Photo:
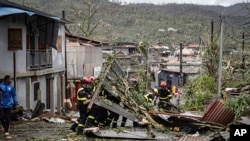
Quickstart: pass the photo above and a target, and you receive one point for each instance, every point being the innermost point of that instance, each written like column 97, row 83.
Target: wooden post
column 99, row 86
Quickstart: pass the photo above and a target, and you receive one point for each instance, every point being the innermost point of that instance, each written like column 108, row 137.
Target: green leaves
column 238, row 104
column 198, row 91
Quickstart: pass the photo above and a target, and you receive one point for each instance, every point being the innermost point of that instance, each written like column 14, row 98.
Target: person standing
column 164, row 94
column 83, row 99
column 8, row 100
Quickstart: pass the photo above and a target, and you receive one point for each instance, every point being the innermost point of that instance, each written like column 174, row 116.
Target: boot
column 73, row 127
column 79, row 131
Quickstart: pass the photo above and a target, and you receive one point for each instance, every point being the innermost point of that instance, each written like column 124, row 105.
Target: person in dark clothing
column 149, row 97
column 83, row 99
column 97, row 115
column 8, row 100
column 164, row 94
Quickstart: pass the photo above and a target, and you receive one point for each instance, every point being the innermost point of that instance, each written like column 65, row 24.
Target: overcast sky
column 200, row 2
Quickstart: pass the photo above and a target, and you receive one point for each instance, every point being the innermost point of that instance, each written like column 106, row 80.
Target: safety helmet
column 163, row 84
column 155, row 91
column 86, row 80
column 92, row 78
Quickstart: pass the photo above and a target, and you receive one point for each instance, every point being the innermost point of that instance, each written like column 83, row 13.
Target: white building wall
column 58, row 59
column 77, row 56
column 75, row 60
column 6, row 64
column 93, row 59
column 21, row 84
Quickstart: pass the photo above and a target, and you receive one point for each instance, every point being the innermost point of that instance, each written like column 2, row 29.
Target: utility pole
column 243, row 43
column 181, row 77
column 212, row 31
column 220, row 58
column 243, row 56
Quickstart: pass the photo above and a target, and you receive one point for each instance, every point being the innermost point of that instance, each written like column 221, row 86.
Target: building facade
column 32, row 51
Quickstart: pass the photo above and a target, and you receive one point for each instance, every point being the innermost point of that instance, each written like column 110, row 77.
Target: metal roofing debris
column 130, row 133
column 217, row 113
column 195, row 137
column 10, row 8
column 244, row 120
column 117, row 109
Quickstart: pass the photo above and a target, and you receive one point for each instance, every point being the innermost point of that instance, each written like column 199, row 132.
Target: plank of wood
column 99, row 87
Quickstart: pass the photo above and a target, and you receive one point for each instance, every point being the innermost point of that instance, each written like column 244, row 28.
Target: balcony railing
column 39, row 59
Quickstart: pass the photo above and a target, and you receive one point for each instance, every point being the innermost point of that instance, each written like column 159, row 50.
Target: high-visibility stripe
column 94, row 89
column 78, row 98
column 163, row 98
column 79, row 90
column 81, row 99
column 91, row 117
column 80, row 125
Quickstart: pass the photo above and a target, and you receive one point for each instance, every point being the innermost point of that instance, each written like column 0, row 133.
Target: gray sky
column 200, row 2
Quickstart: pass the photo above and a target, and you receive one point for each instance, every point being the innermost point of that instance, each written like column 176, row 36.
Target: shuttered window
column 14, row 39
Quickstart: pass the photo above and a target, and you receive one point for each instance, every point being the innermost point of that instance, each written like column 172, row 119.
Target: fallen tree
column 113, row 75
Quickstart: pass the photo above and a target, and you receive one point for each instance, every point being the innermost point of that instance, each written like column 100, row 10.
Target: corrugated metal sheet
column 195, row 138
column 217, row 113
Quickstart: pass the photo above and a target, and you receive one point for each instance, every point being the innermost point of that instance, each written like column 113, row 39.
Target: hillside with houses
column 130, row 54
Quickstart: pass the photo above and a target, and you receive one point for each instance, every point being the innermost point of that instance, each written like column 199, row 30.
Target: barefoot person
column 8, row 100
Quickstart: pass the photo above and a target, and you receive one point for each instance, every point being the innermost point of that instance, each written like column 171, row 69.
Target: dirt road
column 40, row 131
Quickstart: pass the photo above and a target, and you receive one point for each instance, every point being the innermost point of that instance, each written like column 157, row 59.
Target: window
column 36, row 89
column 14, row 39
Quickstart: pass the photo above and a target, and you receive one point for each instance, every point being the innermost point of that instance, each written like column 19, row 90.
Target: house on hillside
column 126, row 47
column 196, row 48
column 174, row 76
column 32, row 50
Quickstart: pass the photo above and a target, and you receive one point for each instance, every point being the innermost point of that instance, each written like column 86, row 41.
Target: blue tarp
column 4, row 11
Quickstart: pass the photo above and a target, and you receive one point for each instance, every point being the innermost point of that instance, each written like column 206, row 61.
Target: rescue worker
column 176, row 96
column 97, row 115
column 83, row 99
column 149, row 97
column 155, row 91
column 164, row 94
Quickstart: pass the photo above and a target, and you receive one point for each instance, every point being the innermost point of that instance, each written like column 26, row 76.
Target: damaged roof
column 9, row 8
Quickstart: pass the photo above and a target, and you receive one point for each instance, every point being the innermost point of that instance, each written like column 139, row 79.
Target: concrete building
column 32, row 50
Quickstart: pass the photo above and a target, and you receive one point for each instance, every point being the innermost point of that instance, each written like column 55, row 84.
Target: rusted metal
column 217, row 113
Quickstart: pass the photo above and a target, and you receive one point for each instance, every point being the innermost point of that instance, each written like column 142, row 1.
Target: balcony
column 39, row 59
